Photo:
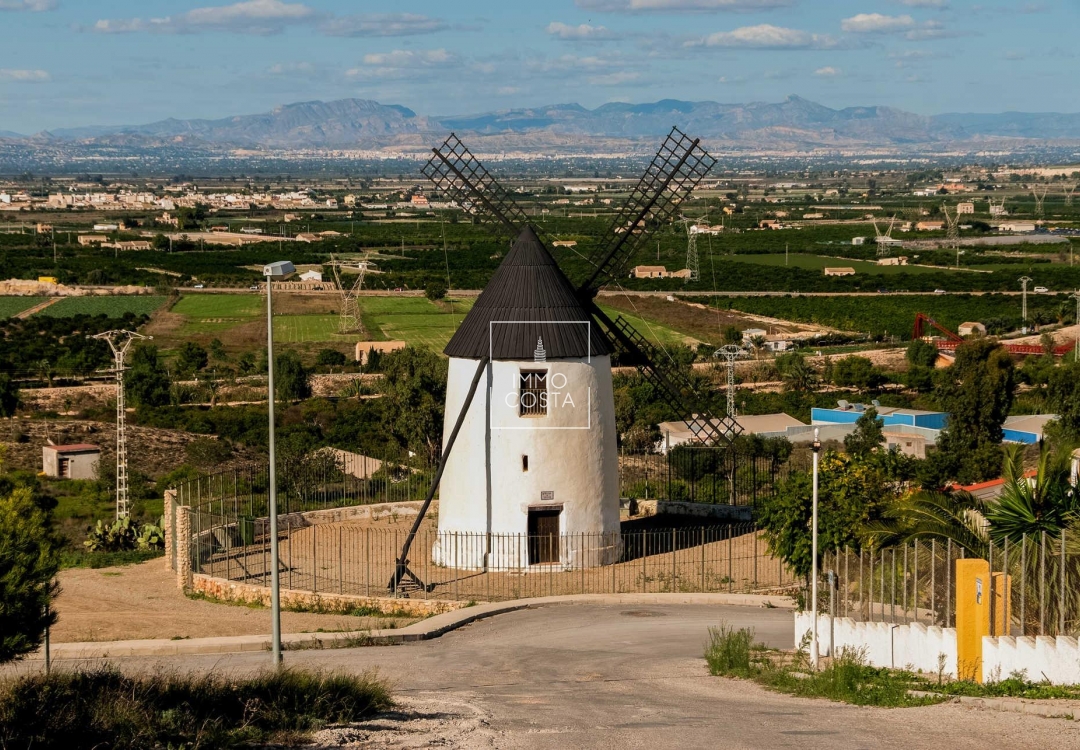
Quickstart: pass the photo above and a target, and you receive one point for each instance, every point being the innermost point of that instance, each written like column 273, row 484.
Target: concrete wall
column 572, row 452
column 916, row 646
column 1040, row 658
column 737, row 513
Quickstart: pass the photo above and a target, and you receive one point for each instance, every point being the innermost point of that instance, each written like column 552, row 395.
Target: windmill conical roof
column 528, row 300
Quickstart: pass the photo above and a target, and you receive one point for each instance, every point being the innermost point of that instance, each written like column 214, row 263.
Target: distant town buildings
column 658, row 272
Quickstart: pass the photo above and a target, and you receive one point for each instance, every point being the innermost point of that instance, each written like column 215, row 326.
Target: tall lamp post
column 814, row 559
column 278, row 270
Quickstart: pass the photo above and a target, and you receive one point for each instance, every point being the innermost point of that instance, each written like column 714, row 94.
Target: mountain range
column 794, row 123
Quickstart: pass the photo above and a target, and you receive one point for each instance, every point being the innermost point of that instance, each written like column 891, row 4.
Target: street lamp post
column 814, row 559
column 280, row 269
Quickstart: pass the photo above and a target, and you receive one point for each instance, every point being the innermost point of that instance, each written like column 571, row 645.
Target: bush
column 28, row 566
column 330, row 358
column 123, row 535
column 728, row 651
column 207, row 452
column 435, row 290
column 104, row 708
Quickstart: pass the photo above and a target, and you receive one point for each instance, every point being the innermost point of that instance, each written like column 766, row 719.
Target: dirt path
column 37, row 308
column 142, row 601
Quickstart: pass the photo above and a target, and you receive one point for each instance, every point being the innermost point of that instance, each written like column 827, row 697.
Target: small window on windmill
column 524, row 463
column 533, row 397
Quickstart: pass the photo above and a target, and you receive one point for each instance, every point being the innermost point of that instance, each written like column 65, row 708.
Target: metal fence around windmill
column 1034, row 589
column 322, row 549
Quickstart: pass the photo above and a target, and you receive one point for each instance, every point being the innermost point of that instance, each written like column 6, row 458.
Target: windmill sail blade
column 673, row 386
column 460, row 176
column 678, row 167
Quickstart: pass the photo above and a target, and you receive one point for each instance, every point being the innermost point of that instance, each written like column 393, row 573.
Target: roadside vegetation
column 104, row 708
column 847, row 678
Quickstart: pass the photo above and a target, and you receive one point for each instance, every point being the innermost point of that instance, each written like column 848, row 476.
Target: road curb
column 427, row 629
column 1030, row 707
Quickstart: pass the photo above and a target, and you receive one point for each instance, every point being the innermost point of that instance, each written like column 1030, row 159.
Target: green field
column 12, row 306
column 412, row 319
column 819, row 262
column 299, row 329
column 113, row 307
column 655, row 333
column 216, row 313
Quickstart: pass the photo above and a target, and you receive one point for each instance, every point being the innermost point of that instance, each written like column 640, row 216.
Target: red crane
column 953, row 340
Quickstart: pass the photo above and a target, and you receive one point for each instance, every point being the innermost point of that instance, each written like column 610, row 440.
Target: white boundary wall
column 915, row 646
column 1044, row 657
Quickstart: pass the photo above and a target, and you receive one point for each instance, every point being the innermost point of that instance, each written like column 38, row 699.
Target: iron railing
column 1034, row 586
column 358, row 559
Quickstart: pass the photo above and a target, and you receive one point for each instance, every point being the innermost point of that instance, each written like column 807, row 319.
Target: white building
column 537, row 452
column 311, row 276
column 77, row 461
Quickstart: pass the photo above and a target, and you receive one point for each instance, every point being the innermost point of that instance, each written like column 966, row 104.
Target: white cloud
column 731, row 80
column 259, row 17
column 876, row 23
column 613, row 79
column 24, row 76
column 645, row 6
column 34, row 6
column 827, row 72
column 766, row 36
column 402, row 63
column 383, row 24
column 293, row 68
column 579, row 33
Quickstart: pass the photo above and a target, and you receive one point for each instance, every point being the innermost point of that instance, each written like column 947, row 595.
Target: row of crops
column 67, row 307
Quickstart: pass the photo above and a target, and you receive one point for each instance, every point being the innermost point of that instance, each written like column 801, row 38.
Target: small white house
column 76, row 461
column 311, row 276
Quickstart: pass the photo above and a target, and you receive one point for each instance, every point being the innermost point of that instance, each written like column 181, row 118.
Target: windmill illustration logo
column 539, row 354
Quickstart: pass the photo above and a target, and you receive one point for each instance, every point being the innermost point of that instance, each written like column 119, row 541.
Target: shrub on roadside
column 122, row 535
column 104, row 708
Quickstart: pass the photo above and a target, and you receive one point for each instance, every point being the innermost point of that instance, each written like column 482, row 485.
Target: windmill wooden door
column 544, row 535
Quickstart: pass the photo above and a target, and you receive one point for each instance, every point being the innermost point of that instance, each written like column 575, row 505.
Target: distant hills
column 794, row 124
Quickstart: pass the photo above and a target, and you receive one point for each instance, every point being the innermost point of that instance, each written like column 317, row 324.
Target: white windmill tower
column 540, row 453
column 529, row 404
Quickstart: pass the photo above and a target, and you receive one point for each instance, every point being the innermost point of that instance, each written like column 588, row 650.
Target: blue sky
column 84, row 62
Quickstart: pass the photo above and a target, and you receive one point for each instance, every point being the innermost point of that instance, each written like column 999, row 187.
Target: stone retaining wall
column 246, row 593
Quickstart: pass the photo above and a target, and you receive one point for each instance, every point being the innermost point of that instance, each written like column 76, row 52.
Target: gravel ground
column 143, row 601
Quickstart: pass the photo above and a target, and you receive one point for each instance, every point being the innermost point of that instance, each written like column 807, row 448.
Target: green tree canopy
column 977, row 391
column 29, row 562
column 414, row 390
column 1063, row 395
column 9, row 396
column 435, row 290
column 292, row 381
column 867, row 436
column 146, row 382
column 921, row 353
column 191, row 357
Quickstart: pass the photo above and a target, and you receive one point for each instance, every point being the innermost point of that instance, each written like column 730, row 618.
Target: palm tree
column 1031, row 505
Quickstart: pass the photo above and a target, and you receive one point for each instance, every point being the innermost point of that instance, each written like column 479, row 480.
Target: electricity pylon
column 691, row 249
column 730, row 353
column 1039, row 197
column 1024, row 281
column 350, row 320
column 120, row 341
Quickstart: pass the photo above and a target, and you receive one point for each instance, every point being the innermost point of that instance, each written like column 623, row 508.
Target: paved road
column 622, row 677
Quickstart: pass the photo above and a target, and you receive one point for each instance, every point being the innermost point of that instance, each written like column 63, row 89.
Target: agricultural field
column 415, row 320
column 654, row 331
column 820, row 262
column 894, row 314
column 113, row 307
column 12, row 306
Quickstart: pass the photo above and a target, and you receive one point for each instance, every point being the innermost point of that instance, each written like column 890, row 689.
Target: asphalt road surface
column 621, row 677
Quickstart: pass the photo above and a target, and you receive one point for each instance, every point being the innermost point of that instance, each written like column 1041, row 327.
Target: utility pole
column 1076, row 349
column 1024, row 281
column 120, row 341
column 730, row 353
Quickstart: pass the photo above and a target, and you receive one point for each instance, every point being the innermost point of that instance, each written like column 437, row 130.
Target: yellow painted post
column 972, row 615
column 1002, row 619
